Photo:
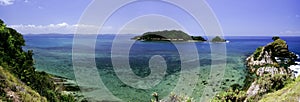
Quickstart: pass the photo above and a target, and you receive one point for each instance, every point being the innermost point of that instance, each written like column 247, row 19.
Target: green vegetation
column 278, row 48
column 271, row 84
column 10, row 89
column 218, row 39
column 198, row 38
column 172, row 35
column 20, row 64
column 172, row 98
column 290, row 93
column 231, row 95
column 275, row 38
column 274, row 78
column 281, row 49
column 257, row 52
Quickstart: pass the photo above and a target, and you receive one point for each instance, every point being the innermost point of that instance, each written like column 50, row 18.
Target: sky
column 236, row 17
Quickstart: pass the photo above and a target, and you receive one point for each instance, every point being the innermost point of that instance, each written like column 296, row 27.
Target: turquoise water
column 53, row 54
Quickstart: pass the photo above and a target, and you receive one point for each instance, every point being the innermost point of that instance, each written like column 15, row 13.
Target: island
column 218, row 39
column 168, row 35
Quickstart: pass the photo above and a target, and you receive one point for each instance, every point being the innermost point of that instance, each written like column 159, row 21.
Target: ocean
column 53, row 54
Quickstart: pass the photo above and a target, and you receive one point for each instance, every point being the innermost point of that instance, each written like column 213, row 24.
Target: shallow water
column 53, row 54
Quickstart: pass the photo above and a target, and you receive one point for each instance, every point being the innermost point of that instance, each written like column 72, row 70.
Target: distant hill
column 168, row 35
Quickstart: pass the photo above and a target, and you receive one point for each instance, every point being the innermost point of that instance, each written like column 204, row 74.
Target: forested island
column 218, row 39
column 174, row 35
column 166, row 35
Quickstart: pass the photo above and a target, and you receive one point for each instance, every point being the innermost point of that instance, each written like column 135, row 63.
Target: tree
column 275, row 38
column 21, row 63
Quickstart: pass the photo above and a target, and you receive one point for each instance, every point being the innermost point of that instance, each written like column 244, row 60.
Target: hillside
column 267, row 72
column 18, row 72
column 290, row 93
column 11, row 88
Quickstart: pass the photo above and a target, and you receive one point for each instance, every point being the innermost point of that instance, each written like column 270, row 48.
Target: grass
column 23, row 92
column 290, row 93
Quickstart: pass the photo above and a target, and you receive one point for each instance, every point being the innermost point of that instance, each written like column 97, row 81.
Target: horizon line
column 141, row 34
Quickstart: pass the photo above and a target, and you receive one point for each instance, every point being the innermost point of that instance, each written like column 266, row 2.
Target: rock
column 264, row 62
column 271, row 70
column 253, row 89
column 13, row 96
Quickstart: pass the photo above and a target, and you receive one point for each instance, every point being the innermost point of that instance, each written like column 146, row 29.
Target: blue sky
column 236, row 17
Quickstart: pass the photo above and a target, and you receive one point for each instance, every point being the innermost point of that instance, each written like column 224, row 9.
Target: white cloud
column 6, row 2
column 289, row 32
column 65, row 28
column 137, row 26
column 61, row 28
column 64, row 24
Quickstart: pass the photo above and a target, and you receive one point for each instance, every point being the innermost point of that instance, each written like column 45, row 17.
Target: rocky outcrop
column 263, row 58
column 253, row 89
column 269, row 72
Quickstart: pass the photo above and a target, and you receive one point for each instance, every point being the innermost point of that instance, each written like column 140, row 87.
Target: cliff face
column 270, row 66
column 265, row 64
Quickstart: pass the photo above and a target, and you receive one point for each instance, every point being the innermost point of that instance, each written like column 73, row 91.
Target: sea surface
column 53, row 54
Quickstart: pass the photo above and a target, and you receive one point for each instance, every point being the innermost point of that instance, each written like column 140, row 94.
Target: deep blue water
column 53, row 54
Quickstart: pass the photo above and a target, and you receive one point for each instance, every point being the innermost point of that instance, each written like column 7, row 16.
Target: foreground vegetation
column 266, row 75
column 290, row 93
column 19, row 63
column 11, row 89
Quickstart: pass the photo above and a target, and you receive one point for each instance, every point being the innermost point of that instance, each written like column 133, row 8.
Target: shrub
column 20, row 63
column 257, row 52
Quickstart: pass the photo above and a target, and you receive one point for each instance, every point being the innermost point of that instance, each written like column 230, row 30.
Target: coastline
column 235, row 45
column 67, row 86
column 296, row 68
